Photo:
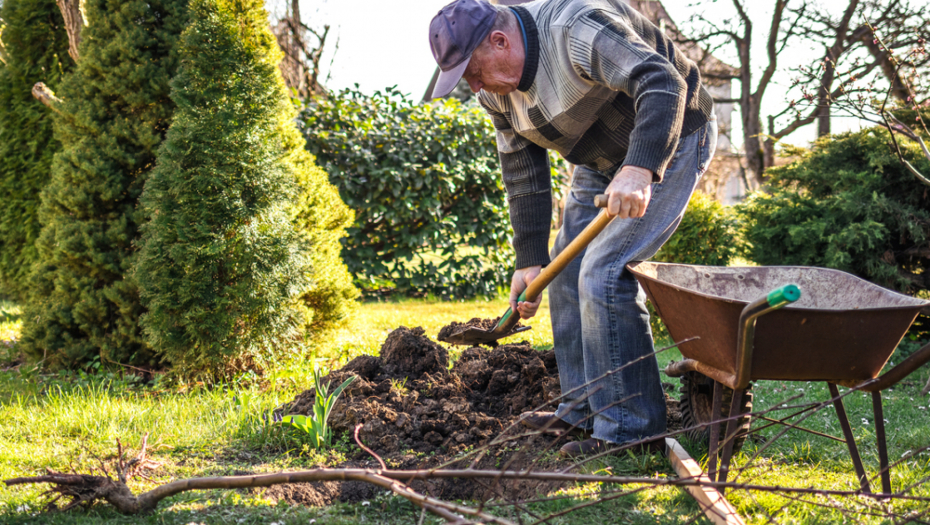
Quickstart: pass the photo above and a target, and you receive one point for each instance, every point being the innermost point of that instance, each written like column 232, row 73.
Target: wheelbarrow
column 788, row 323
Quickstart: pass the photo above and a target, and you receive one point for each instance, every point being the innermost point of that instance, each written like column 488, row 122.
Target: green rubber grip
column 509, row 311
column 788, row 293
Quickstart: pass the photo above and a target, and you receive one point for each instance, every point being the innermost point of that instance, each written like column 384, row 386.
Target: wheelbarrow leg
column 714, row 431
column 850, row 441
column 882, row 445
column 733, row 427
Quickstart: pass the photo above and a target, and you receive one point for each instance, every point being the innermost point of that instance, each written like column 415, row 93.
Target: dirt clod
column 409, row 353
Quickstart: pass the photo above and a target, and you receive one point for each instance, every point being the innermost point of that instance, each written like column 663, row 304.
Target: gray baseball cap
column 454, row 34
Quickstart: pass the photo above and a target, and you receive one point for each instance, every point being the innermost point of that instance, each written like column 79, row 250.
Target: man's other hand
column 629, row 192
column 521, row 279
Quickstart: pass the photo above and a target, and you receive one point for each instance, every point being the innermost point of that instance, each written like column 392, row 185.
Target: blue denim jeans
column 599, row 316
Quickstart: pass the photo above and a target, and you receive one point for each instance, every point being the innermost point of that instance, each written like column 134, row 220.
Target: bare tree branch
column 46, row 96
column 301, row 66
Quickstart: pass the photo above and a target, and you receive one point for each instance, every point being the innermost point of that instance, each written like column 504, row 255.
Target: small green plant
column 315, row 426
column 400, row 385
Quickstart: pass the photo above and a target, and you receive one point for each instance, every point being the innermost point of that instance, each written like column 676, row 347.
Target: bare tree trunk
column 768, row 146
column 73, row 13
column 751, row 102
column 752, row 143
column 749, row 107
column 824, row 97
column 301, row 63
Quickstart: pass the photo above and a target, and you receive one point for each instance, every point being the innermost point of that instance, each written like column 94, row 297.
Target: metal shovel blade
column 474, row 336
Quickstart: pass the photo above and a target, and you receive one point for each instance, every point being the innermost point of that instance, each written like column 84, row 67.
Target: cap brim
column 449, row 79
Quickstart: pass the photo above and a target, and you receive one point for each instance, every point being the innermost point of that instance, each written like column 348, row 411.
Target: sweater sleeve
column 525, row 170
column 606, row 50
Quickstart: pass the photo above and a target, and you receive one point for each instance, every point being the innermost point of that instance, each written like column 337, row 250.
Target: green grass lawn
column 67, row 422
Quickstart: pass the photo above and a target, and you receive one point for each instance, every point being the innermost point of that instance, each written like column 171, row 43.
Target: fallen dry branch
column 386, row 478
column 85, row 489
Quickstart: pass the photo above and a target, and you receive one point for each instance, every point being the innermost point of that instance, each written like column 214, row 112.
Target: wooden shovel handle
column 571, row 251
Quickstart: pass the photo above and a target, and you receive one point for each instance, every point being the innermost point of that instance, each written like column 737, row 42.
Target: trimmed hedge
column 222, row 268
column 847, row 204
column 424, row 181
column 85, row 310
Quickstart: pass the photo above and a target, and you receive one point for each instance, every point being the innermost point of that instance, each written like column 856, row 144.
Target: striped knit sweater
column 604, row 88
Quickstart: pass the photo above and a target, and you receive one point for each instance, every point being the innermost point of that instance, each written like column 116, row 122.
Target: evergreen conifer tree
column 223, row 268
column 116, row 111
column 35, row 50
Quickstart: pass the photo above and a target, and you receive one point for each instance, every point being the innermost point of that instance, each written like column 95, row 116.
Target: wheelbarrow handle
column 562, row 260
column 779, row 297
column 772, row 301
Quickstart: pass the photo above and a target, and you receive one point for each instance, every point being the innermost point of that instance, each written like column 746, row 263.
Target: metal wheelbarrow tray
column 842, row 330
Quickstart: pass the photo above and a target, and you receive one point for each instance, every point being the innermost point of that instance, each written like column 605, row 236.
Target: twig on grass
column 89, row 488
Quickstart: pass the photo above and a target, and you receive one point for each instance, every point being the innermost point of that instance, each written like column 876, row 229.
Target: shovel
column 506, row 326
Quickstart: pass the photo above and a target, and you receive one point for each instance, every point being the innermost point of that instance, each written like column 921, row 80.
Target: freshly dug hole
column 417, row 413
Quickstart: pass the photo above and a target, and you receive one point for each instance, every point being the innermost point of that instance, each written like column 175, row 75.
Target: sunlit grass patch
column 10, row 325
column 70, row 420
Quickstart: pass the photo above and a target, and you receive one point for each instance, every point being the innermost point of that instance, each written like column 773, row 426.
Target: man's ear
column 499, row 40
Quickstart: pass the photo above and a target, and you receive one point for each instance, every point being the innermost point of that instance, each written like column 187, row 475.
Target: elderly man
column 597, row 82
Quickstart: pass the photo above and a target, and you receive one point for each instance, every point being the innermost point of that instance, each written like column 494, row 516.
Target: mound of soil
column 416, row 413
column 408, row 400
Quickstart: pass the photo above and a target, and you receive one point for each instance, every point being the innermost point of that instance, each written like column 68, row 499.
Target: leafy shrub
column 424, row 181
column 847, row 204
column 36, row 51
column 707, row 235
column 321, row 218
column 221, row 268
column 116, row 109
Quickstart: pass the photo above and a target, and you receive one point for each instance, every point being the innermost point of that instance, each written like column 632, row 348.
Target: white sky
column 383, row 43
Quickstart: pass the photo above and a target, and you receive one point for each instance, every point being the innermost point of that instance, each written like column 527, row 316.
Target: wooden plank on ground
column 712, row 502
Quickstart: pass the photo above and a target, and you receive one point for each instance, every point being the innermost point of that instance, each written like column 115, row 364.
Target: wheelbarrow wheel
column 697, row 404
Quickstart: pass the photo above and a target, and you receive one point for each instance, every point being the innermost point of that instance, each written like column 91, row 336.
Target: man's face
column 490, row 69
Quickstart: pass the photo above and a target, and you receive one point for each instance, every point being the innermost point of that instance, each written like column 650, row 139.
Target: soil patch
column 417, row 413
